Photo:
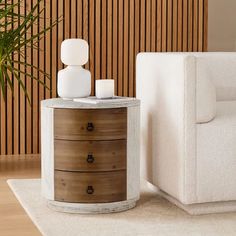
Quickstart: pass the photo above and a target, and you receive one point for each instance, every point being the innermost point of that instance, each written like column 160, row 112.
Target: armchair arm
column 166, row 86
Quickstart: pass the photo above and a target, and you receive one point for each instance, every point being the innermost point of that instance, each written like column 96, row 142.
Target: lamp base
column 74, row 82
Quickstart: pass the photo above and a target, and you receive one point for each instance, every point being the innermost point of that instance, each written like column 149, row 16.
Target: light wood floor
column 13, row 219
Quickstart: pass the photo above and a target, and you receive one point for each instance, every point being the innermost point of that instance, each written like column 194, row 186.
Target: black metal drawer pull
column 90, row 158
column 90, row 126
column 90, row 190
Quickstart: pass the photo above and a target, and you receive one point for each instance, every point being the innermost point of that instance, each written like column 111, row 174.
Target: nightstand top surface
column 119, row 102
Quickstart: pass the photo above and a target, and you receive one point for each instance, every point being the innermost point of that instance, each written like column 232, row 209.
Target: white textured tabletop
column 61, row 103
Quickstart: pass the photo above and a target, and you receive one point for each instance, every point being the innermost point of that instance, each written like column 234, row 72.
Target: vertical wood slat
column 120, row 46
column 136, row 36
column 15, row 101
column 28, row 87
column 79, row 18
column 3, row 126
column 159, row 26
column 142, row 25
column 22, row 98
column 153, row 25
column 205, row 25
column 116, row 31
column 169, row 25
column 67, row 20
column 35, row 97
column 92, row 43
column 85, row 24
column 180, row 25
column 131, row 50
column 126, row 48
column 195, row 25
column 200, row 25
column 48, row 47
column 148, row 26
column 97, row 38
column 164, row 26
column 185, row 26
column 54, row 40
column 103, row 39
column 175, row 26
column 72, row 18
column 60, row 32
column 190, row 25
column 115, row 44
column 9, row 114
column 38, row 89
column 109, row 40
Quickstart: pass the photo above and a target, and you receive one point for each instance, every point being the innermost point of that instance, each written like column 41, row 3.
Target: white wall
column 222, row 25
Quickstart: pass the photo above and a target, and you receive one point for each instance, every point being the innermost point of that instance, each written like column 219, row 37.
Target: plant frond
column 2, row 82
column 16, row 36
column 16, row 75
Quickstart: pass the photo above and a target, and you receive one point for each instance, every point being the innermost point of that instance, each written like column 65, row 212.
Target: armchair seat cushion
column 216, row 155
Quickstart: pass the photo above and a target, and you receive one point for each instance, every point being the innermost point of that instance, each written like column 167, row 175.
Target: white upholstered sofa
column 188, row 127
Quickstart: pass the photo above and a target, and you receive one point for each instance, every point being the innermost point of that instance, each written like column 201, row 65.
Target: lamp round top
column 74, row 52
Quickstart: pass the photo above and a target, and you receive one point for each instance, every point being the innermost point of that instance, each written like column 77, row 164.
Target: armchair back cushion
column 220, row 68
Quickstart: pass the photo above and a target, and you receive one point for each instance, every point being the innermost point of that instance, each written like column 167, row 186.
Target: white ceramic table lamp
column 74, row 81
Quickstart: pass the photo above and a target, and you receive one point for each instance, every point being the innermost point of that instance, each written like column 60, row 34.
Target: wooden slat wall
column 116, row 31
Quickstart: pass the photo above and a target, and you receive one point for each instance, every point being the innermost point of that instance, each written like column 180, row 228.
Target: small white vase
column 104, row 88
column 74, row 82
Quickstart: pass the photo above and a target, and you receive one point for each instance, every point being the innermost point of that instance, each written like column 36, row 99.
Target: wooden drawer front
column 92, row 124
column 90, row 187
column 90, row 155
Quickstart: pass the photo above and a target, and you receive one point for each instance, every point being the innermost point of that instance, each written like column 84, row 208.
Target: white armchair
column 188, row 127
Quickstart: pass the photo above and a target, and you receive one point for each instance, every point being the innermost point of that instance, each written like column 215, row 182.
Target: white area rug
column 152, row 216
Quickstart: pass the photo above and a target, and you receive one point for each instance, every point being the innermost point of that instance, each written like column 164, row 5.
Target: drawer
column 90, row 124
column 90, row 155
column 97, row 187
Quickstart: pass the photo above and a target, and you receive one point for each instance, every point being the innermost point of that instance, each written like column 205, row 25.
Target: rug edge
column 10, row 183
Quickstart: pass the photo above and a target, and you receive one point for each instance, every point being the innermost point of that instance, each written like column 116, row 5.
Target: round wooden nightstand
column 90, row 155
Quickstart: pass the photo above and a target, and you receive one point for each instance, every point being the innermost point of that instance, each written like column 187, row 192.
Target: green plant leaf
column 16, row 36
column 2, row 83
column 16, row 75
column 28, row 75
column 33, row 66
column 4, row 69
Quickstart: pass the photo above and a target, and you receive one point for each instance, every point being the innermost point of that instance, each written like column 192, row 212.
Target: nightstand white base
column 94, row 208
